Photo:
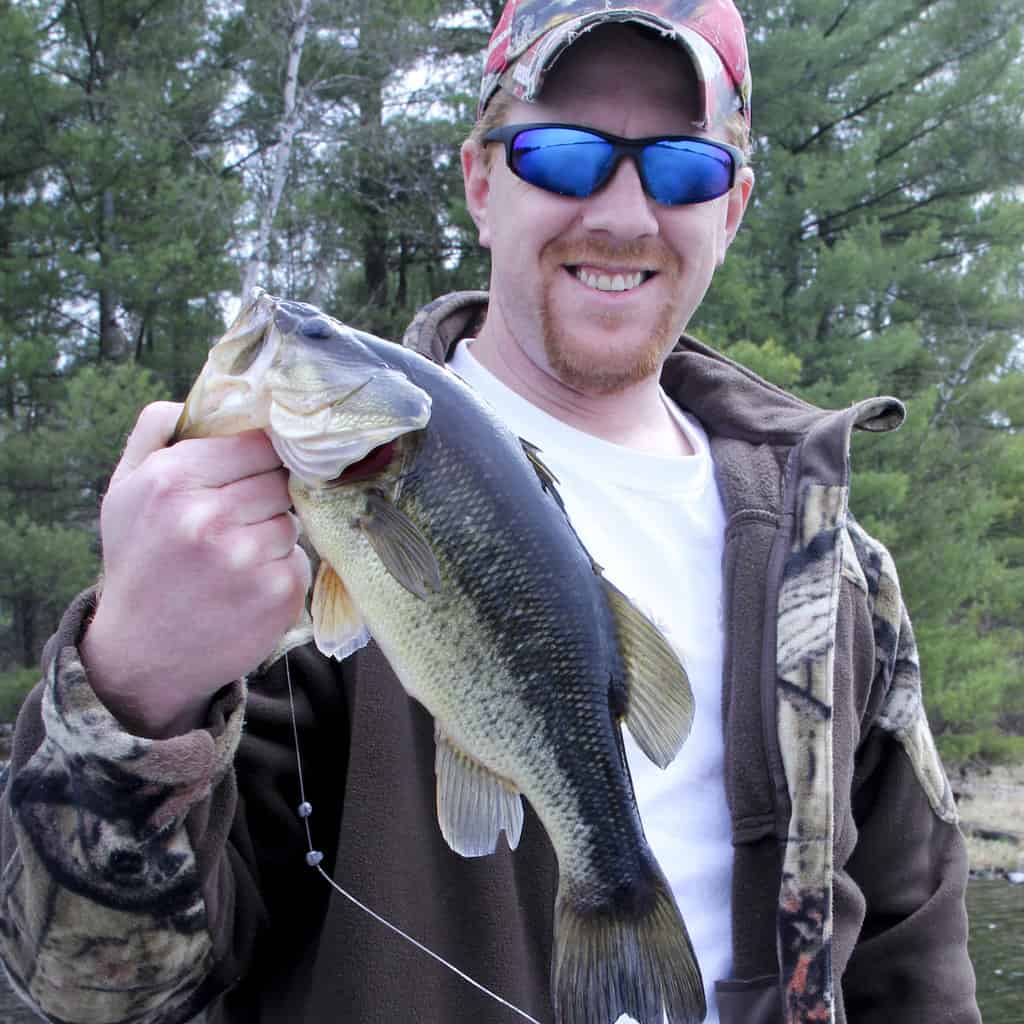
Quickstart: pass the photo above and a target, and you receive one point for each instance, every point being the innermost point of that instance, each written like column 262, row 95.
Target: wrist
column 137, row 695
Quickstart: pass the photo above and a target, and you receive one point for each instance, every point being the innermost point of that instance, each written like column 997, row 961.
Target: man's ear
column 736, row 206
column 476, row 177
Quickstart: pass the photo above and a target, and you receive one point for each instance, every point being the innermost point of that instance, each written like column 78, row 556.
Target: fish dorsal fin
column 548, row 480
column 400, row 546
column 659, row 701
column 473, row 804
column 338, row 628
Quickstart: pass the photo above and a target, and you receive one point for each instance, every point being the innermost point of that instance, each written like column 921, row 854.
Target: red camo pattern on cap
column 524, row 30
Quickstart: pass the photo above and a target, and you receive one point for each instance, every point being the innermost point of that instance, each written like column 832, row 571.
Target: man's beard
column 583, row 368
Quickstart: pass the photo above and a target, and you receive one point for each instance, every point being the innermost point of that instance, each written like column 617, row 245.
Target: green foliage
column 54, row 472
column 989, row 747
column 93, row 422
column 15, row 685
column 117, row 207
column 42, row 566
column 769, row 360
column 880, row 255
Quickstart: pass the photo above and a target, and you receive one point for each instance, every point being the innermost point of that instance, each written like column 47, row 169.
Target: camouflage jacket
column 144, row 880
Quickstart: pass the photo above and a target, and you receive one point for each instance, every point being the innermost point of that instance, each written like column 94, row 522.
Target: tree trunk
column 402, row 293
column 24, row 628
column 112, row 338
column 373, row 200
column 287, row 128
column 372, row 191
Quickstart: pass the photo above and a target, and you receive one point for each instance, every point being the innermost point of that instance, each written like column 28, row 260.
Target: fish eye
column 317, row 328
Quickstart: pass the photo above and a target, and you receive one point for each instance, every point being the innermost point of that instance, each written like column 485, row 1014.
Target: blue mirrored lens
column 686, row 171
column 576, row 162
column 563, row 160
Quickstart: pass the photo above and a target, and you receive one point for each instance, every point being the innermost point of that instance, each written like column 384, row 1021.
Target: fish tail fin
column 632, row 955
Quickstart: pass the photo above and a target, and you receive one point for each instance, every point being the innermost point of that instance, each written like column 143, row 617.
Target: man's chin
column 606, row 365
column 601, row 373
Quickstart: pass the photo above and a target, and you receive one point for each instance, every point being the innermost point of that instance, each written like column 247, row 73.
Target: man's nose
column 621, row 207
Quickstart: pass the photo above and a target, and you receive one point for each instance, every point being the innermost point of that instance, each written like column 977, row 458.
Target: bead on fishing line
column 313, row 858
column 305, row 809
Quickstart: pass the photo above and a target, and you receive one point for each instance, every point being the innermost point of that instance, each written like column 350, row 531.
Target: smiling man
column 153, row 860
column 593, row 279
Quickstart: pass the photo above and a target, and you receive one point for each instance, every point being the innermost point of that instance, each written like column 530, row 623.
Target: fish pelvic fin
column 632, row 955
column 338, row 628
column 658, row 700
column 473, row 804
column 405, row 552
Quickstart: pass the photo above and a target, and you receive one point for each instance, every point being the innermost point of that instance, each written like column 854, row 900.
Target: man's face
column 558, row 264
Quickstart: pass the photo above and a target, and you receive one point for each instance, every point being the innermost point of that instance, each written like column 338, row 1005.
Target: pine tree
column 882, row 252
column 365, row 225
column 113, row 228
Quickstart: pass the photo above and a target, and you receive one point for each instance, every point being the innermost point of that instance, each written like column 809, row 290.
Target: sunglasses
column 676, row 170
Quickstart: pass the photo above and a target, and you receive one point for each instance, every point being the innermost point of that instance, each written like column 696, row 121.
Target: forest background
column 158, row 156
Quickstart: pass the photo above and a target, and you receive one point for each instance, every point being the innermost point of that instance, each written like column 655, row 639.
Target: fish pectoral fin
column 473, row 804
column 400, row 546
column 658, row 699
column 338, row 628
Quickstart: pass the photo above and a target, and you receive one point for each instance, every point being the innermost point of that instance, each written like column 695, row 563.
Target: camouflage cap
column 533, row 34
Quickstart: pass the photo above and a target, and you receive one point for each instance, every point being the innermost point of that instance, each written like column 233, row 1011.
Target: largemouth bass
column 442, row 536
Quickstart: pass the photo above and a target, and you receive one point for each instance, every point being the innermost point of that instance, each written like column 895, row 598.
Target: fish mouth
column 320, row 393
column 370, row 465
column 318, row 443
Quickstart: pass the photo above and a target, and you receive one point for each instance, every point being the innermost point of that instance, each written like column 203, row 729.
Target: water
column 996, row 912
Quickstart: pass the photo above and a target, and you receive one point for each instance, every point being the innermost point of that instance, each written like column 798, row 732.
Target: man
column 153, row 857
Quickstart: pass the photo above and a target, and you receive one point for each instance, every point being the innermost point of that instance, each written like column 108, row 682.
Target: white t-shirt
column 656, row 525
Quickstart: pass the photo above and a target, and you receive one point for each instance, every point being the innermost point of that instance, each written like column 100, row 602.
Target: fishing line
column 314, row 858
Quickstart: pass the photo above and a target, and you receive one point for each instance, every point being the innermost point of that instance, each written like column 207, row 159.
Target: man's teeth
column 610, row 283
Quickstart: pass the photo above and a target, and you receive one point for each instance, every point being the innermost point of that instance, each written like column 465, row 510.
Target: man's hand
column 201, row 572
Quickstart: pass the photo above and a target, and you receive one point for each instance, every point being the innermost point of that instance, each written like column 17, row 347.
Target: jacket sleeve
column 910, row 859
column 131, row 886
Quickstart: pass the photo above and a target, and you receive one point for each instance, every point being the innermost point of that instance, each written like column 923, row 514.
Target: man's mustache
column 639, row 254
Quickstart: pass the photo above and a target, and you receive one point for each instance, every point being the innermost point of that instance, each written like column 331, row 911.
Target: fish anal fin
column 658, row 698
column 473, row 804
column 338, row 628
column 405, row 552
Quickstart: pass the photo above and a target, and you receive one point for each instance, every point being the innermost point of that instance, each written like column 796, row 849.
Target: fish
column 442, row 536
